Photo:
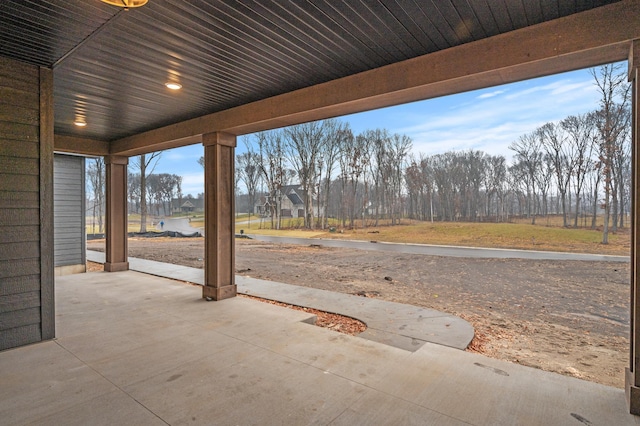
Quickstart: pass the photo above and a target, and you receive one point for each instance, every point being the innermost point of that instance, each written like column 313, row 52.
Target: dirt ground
column 568, row 317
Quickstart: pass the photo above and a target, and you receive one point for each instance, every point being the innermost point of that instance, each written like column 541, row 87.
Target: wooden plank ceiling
column 110, row 65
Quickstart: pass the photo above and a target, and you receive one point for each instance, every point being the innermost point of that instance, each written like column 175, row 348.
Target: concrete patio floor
column 395, row 324
column 138, row 349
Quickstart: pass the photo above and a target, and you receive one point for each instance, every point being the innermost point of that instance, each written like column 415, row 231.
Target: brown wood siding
column 18, row 149
column 25, row 284
column 20, row 318
column 20, row 301
column 18, row 268
column 9, row 182
column 14, row 234
column 20, row 336
column 19, row 166
column 19, row 200
column 18, row 114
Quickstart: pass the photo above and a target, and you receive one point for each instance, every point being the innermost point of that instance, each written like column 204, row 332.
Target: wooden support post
column 116, row 220
column 219, row 234
column 632, row 376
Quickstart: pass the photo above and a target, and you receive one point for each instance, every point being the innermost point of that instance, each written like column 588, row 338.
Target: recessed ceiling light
column 173, row 85
column 80, row 123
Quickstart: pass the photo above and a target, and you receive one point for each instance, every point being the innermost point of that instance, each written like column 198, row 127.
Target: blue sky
column 487, row 120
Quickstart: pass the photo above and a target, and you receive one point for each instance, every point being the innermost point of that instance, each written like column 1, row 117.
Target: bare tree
column 580, row 135
column 444, row 177
column 248, row 169
column 543, row 182
column 145, row 164
column 335, row 132
column 612, row 121
column 399, row 146
column 354, row 159
column 154, row 193
column 378, row 140
column 519, row 187
column 472, row 166
column 303, row 144
column 595, row 182
column 96, row 174
column 495, row 180
column 427, row 176
column 562, row 158
column 529, row 158
column 170, row 187
column 179, row 190
column 273, row 168
column 133, row 185
column 415, row 182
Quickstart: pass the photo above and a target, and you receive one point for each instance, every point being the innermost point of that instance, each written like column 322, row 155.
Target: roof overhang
column 581, row 40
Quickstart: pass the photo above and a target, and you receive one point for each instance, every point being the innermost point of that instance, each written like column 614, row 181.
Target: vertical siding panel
column 68, row 194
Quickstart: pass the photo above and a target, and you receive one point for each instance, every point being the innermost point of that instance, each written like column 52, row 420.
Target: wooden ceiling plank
column 485, row 17
column 409, row 16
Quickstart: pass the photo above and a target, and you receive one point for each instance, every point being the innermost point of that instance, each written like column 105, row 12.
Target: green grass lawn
column 496, row 235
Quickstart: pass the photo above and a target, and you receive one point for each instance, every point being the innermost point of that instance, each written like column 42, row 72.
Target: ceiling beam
column 83, row 146
column 586, row 39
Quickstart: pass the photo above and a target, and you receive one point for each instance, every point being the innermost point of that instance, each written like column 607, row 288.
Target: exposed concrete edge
column 395, row 324
column 70, row 269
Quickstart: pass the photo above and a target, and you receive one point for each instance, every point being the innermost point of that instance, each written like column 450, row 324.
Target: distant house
column 291, row 204
column 187, row 207
column 187, row 204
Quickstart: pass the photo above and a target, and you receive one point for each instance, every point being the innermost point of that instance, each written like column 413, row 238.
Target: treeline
column 161, row 189
column 369, row 170
column 575, row 167
column 147, row 192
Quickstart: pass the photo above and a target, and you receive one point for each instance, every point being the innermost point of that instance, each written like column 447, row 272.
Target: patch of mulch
column 94, row 266
column 334, row 322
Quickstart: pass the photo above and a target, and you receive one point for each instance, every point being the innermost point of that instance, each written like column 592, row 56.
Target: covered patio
column 88, row 78
column 133, row 348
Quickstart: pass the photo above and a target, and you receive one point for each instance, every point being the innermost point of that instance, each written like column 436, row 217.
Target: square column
column 219, row 232
column 116, row 220
column 632, row 374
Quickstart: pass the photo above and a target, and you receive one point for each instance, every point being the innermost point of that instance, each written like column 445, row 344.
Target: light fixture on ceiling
column 173, row 85
column 80, row 122
column 126, row 4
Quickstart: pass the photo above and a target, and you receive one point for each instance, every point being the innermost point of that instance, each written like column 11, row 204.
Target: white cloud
column 491, row 94
column 193, row 183
column 490, row 122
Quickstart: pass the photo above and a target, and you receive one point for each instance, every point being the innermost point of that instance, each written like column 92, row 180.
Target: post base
column 632, row 393
column 219, row 293
column 116, row 266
